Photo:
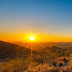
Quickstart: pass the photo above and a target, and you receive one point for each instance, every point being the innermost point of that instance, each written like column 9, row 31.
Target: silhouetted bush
column 54, row 63
column 65, row 60
column 60, row 64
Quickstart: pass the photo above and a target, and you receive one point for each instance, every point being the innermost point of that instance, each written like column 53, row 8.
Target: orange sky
column 38, row 38
column 49, row 20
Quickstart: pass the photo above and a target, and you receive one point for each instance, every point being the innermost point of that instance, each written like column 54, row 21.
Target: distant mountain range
column 39, row 45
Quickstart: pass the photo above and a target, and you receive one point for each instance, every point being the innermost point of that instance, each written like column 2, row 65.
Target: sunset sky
column 46, row 20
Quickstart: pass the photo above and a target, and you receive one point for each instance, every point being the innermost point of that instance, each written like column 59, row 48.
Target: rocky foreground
column 62, row 64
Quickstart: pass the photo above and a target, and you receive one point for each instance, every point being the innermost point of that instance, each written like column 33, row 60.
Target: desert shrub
column 60, row 64
column 67, row 54
column 61, row 54
column 38, row 68
column 53, row 63
column 65, row 60
column 14, row 65
column 38, row 59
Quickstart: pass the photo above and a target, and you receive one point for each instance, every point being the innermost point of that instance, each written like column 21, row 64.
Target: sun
column 31, row 38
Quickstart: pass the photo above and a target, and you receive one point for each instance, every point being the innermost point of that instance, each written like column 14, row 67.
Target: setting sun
column 31, row 38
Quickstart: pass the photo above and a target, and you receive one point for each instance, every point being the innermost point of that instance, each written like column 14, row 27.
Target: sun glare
column 31, row 38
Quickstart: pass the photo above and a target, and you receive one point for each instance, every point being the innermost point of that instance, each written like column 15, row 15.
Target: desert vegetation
column 15, row 58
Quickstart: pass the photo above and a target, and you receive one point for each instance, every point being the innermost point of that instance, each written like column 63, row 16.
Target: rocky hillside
column 8, row 50
column 61, row 64
column 15, row 58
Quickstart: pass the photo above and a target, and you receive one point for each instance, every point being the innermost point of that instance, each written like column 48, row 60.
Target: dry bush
column 14, row 65
column 38, row 68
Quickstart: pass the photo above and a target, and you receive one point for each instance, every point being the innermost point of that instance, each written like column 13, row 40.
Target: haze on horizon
column 47, row 20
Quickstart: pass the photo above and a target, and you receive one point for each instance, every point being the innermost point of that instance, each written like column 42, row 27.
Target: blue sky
column 51, row 17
